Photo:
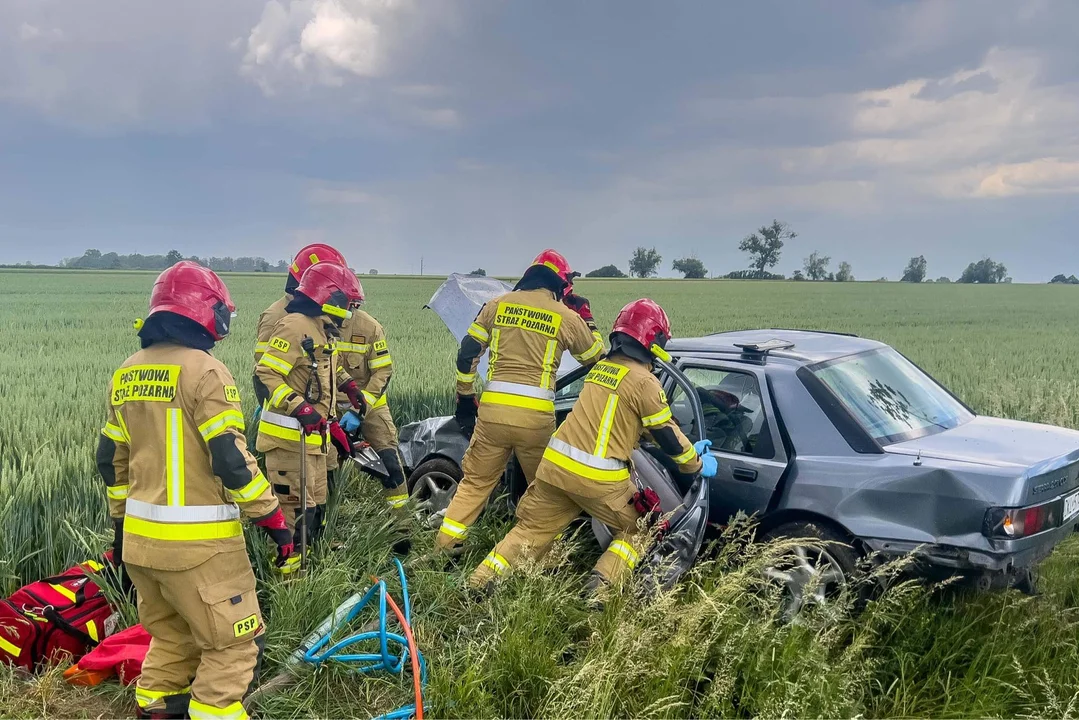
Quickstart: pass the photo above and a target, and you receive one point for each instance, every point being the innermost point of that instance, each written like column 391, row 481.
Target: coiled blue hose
column 365, row 662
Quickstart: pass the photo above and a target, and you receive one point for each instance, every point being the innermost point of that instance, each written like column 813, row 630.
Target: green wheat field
column 712, row 648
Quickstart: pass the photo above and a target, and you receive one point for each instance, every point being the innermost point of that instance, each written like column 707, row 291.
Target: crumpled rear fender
column 433, row 437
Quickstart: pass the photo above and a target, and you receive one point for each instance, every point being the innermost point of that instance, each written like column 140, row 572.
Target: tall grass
column 713, row 648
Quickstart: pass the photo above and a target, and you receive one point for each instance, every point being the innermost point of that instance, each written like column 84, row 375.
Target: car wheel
column 813, row 575
column 431, row 486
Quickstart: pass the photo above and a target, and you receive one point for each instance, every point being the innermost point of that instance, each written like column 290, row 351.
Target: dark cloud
column 472, row 133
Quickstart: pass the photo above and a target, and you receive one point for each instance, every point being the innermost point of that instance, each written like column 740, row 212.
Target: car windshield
column 890, row 397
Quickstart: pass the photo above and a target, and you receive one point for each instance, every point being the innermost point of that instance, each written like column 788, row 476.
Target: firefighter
column 307, row 256
column 301, row 402
column 174, row 459
column 527, row 331
column 365, row 354
column 586, row 463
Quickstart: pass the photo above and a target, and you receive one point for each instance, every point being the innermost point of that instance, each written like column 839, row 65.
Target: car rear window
column 890, row 397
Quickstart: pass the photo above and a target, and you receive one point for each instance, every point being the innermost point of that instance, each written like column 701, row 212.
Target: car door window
column 734, row 418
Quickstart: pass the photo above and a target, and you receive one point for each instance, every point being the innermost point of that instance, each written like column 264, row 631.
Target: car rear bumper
column 1011, row 557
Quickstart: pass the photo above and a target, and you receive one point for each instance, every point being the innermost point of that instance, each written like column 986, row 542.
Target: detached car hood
column 458, row 300
column 1008, row 444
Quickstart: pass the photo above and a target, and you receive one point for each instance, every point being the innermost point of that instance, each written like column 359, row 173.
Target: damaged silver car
column 834, row 438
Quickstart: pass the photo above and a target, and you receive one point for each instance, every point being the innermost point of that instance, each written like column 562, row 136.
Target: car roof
column 809, row 346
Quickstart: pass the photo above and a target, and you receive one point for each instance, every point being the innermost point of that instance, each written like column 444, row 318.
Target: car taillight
column 1022, row 522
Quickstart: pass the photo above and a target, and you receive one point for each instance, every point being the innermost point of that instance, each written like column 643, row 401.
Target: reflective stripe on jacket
column 526, row 332
column 284, row 369
column 174, row 458
column 620, row 401
column 366, row 357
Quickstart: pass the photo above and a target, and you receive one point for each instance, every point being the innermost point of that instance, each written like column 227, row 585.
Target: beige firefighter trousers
column 484, row 463
column 283, row 472
column 547, row 509
column 380, row 432
column 206, row 628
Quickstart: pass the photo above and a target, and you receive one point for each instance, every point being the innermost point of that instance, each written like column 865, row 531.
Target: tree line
column 94, row 259
column 765, row 248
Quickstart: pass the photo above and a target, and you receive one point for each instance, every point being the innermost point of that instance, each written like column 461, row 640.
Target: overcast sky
column 475, row 133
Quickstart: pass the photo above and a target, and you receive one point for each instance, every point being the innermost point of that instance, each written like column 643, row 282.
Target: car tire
column 825, row 569
column 431, row 487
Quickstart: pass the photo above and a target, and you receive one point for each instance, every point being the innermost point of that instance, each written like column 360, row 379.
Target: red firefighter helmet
column 314, row 254
column 555, row 262
column 195, row 292
column 334, row 287
column 644, row 321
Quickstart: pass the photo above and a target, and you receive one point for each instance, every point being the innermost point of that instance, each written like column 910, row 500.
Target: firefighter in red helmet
column 307, row 256
column 293, row 427
column 585, row 465
column 526, row 330
column 179, row 477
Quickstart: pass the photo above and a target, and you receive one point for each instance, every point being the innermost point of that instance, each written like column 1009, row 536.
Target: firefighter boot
column 318, row 525
column 395, row 491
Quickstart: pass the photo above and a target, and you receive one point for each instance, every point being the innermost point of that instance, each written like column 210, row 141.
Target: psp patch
column 232, row 394
column 280, row 344
column 248, row 625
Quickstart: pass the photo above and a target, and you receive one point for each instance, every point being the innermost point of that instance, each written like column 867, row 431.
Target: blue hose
column 366, row 662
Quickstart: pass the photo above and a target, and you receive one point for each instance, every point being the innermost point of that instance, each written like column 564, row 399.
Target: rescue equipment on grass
column 312, row 651
column 121, row 655
column 395, row 649
column 56, row 618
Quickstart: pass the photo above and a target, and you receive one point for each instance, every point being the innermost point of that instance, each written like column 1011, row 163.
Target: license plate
column 1071, row 506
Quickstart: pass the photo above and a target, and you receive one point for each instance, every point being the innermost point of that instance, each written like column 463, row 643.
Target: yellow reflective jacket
column 174, row 458
column 284, row 369
column 267, row 322
column 621, row 400
column 526, row 331
column 364, row 354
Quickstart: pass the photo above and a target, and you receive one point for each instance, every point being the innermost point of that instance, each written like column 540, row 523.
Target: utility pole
column 421, row 265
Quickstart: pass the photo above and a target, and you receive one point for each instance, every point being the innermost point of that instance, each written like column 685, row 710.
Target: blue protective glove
column 709, row 464
column 350, row 422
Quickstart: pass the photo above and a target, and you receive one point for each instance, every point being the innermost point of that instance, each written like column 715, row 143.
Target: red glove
column 309, row 418
column 355, row 396
column 579, row 305
column 275, row 526
column 340, row 440
column 647, row 503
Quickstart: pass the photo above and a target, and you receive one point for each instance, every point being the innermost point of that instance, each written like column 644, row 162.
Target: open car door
column 674, row 554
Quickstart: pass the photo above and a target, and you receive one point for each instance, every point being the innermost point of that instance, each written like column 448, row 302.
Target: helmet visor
column 222, row 318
